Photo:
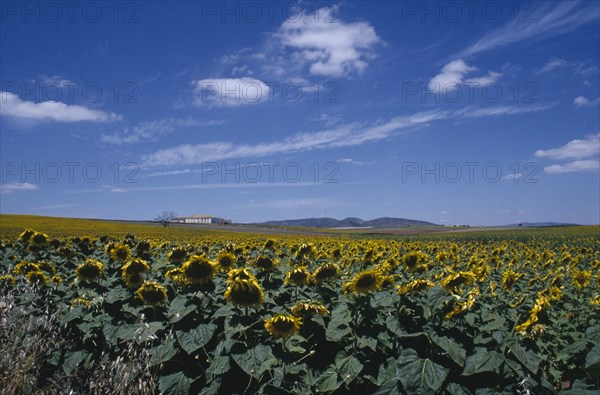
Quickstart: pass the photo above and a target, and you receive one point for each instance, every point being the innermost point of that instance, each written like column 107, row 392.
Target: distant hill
column 538, row 225
column 350, row 222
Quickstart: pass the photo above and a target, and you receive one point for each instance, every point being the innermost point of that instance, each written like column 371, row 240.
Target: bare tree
column 165, row 218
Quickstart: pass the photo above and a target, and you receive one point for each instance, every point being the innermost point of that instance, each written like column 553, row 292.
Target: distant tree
column 165, row 218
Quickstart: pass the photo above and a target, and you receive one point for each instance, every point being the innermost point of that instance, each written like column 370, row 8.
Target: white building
column 201, row 219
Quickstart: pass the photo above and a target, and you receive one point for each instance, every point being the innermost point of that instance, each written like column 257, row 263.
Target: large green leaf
column 348, row 366
column 483, row 361
column 420, row 376
column 592, row 362
column 192, row 340
column 452, row 348
column 337, row 330
column 328, row 382
column 178, row 309
column 72, row 360
column 175, row 384
column 163, row 352
column 256, row 360
column 219, row 365
column 529, row 359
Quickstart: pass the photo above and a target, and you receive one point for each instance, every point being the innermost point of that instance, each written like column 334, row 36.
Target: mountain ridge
column 349, row 222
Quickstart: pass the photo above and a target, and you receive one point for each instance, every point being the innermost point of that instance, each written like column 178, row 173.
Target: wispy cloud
column 329, row 46
column 551, row 19
column 584, row 69
column 153, row 130
column 552, row 64
column 58, row 206
column 354, row 162
column 13, row 106
column 12, row 187
column 582, row 101
column 575, row 149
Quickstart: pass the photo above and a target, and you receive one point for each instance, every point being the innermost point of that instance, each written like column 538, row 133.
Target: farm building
column 201, row 219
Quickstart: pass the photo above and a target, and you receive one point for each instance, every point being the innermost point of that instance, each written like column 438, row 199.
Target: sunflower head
column 326, row 272
column 245, row 292
column 414, row 286
column 152, row 293
column 65, row 251
column 143, row 246
column 25, row 267
column 177, row 255
column 365, row 281
column 38, row 239
column 26, row 234
column 79, row 301
column 306, row 250
column 198, row 270
column 265, row 263
column 134, row 280
column 307, row 308
column 135, row 266
column 509, row 278
column 90, row 270
column 413, row 261
column 226, row 261
column 120, row 252
column 56, row 280
column 298, row 276
column 47, row 267
column 283, row 325
column 240, row 274
column 7, row 279
column 581, row 278
column 455, row 280
column 36, row 277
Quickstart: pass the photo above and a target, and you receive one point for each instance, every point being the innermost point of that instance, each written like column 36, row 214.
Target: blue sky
column 480, row 113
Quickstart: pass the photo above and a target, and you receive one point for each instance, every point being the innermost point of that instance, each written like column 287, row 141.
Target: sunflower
column 306, row 250
column 25, row 267
column 581, row 278
column 413, row 261
column 387, row 281
column 226, row 260
column 326, row 272
column 134, row 280
column 509, row 278
column 240, row 274
column 265, row 263
column 7, row 279
column 152, row 293
column 365, row 281
column 109, row 247
column 298, row 276
column 414, row 285
column 245, row 292
column 305, row 308
column 57, row 280
column 38, row 239
column 455, row 280
column 47, row 267
column 120, row 252
column 36, row 277
column 26, row 234
column 143, row 247
column 177, row 255
column 463, row 306
column 135, row 266
column 91, row 270
column 198, row 270
column 283, row 325
column 65, row 251
column 79, row 301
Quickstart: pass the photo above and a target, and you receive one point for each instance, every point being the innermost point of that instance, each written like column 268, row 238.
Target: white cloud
column 329, row 46
column 473, row 112
column 153, row 130
column 13, row 106
column 550, row 19
column 576, row 166
column 57, row 81
column 17, row 187
column 582, row 101
column 453, row 75
column 354, row 162
column 230, row 91
column 553, row 64
column 575, row 149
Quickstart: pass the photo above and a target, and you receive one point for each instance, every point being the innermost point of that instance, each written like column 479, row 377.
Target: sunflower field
column 254, row 314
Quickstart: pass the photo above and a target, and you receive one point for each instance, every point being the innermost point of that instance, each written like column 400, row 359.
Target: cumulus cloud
column 17, row 187
column 230, row 91
column 453, row 75
column 575, row 166
column 13, row 106
column 575, row 149
column 329, row 46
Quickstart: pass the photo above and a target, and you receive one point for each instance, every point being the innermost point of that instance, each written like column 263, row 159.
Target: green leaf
column 367, row 342
column 328, row 382
column 337, row 330
column 256, row 360
column 483, row 361
column 117, row 294
column 178, row 309
column 341, row 313
column 420, row 376
column 393, row 325
column 572, row 349
column 452, row 348
column 456, row 389
column 191, row 341
column 382, row 299
column 72, row 360
column 592, row 362
column 163, row 352
column 529, row 359
column 348, row 366
column 175, row 384
column 219, row 365
column 436, row 298
column 593, row 334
